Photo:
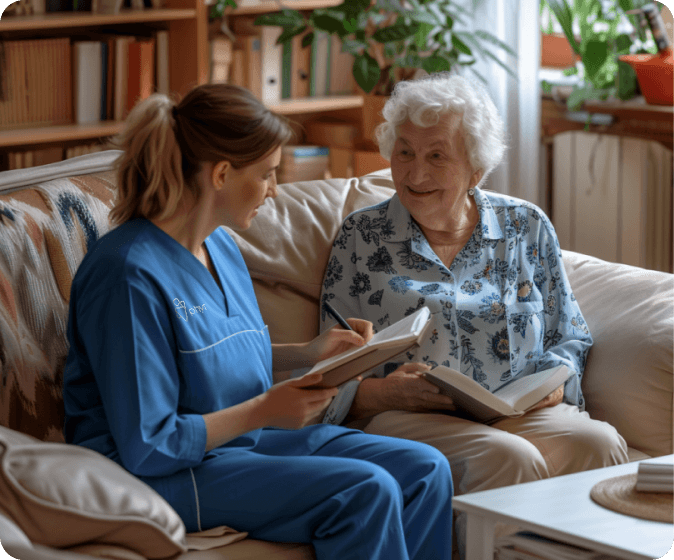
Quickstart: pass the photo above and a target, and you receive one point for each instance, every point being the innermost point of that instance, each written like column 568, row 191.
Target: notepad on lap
column 513, row 399
column 383, row 346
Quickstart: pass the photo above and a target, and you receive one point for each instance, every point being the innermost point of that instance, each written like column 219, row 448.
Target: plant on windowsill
column 608, row 29
column 390, row 39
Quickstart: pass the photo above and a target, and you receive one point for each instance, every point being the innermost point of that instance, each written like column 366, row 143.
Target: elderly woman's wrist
column 368, row 400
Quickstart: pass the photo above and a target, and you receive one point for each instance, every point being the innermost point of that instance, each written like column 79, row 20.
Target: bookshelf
column 187, row 23
column 187, row 26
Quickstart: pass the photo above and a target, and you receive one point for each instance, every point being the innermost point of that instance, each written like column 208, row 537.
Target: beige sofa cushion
column 289, row 242
column 63, row 495
column 628, row 376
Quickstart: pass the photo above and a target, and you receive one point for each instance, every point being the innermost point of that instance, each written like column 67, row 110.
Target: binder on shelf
column 237, row 75
column 87, row 81
column 141, row 71
column 104, row 81
column 110, row 80
column 162, row 62
column 286, row 69
column 300, row 66
column 252, row 63
column 221, row 59
column 272, row 55
column 319, row 84
column 121, row 76
column 341, row 81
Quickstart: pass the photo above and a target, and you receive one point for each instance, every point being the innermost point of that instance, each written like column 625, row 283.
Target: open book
column 383, row 346
column 513, row 399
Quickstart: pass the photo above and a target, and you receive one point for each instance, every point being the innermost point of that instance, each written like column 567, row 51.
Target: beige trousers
column 548, row 442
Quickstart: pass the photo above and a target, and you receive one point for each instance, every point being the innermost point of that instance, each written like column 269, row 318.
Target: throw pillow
column 63, row 495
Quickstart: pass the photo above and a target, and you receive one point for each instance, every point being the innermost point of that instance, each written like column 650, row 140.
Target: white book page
column 407, row 329
column 527, row 391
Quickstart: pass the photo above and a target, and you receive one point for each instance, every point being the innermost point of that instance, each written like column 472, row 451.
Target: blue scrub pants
column 352, row 495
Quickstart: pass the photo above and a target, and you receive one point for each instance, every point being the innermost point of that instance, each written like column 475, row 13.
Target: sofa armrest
column 628, row 376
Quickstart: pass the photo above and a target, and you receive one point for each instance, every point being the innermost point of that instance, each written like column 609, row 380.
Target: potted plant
column 607, row 29
column 390, row 41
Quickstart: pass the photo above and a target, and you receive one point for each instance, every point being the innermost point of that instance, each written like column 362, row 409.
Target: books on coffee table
column 655, row 477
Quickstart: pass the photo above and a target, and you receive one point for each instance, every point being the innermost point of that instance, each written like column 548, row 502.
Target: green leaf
column 289, row 34
column 546, row 86
column 307, row 40
column 492, row 39
column 284, row 18
column 594, row 57
column 366, row 71
column 435, row 63
column 570, row 71
column 391, row 6
column 421, row 36
column 460, row 46
column 423, row 16
column 623, row 43
column 327, row 22
column 395, row 32
column 627, row 81
column 353, row 47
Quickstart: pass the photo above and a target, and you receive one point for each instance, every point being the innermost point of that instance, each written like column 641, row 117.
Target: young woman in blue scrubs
column 170, row 370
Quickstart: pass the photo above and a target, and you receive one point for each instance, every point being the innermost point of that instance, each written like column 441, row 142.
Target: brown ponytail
column 165, row 144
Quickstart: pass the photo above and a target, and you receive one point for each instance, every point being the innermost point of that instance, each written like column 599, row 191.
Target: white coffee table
column 561, row 508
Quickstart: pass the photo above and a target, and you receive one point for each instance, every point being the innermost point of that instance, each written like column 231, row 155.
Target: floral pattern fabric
column 504, row 309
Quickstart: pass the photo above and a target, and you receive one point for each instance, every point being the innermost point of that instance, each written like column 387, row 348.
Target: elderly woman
column 490, row 269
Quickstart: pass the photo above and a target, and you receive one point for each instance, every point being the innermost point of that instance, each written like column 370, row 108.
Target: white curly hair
column 424, row 101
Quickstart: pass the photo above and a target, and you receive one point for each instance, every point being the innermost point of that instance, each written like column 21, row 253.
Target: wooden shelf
column 266, row 6
column 317, row 104
column 634, row 119
column 60, row 20
column 62, row 133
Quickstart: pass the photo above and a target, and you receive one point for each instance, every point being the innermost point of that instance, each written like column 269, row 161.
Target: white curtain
column 516, row 23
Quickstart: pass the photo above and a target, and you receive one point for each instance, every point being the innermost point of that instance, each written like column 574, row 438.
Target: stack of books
column 303, row 163
column 655, row 477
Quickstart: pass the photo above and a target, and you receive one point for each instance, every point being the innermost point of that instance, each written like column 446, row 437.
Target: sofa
column 63, row 501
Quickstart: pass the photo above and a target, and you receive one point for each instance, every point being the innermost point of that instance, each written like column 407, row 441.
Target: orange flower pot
column 655, row 74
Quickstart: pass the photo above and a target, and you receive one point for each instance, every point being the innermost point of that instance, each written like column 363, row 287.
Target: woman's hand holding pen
column 337, row 340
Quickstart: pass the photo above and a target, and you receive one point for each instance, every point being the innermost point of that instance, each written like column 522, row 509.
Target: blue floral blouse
column 503, row 310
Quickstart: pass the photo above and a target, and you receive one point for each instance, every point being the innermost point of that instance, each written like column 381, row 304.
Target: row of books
column 46, row 82
column 33, row 158
column 276, row 72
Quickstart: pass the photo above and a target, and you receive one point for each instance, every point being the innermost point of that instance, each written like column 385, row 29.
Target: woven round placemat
column 618, row 494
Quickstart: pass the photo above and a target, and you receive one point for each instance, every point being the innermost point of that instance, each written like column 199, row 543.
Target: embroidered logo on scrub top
column 181, row 307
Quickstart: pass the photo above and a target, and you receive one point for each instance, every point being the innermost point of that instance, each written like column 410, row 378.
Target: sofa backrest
column 49, row 216
column 46, row 225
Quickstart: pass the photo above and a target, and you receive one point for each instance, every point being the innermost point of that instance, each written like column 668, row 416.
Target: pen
column 336, row 316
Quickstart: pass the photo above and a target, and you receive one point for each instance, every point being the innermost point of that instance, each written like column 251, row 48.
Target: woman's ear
column 476, row 178
column 219, row 174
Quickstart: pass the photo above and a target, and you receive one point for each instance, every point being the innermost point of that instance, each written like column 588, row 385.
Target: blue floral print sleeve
column 503, row 310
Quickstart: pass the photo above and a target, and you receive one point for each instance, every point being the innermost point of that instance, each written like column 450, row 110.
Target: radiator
column 612, row 198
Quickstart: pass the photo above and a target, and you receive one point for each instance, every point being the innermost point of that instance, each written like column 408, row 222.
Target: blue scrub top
column 155, row 343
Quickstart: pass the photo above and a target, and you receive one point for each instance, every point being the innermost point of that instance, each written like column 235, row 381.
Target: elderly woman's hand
column 403, row 389
column 552, row 399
